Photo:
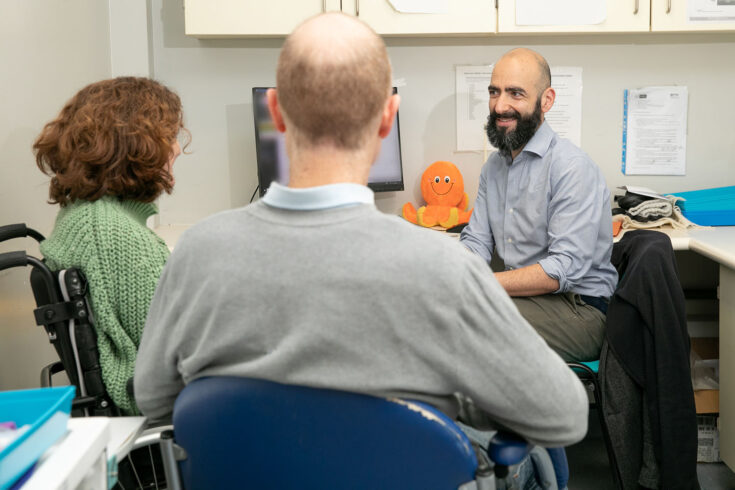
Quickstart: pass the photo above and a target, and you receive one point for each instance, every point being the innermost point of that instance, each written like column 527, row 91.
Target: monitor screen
column 386, row 173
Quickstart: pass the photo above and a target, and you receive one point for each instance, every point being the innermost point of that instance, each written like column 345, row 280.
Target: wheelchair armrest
column 83, row 402
column 48, row 371
column 507, row 449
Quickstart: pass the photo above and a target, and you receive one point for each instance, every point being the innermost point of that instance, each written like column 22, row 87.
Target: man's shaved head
column 333, row 80
column 531, row 58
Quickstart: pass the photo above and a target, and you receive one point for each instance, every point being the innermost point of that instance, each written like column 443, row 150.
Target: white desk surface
column 714, row 242
column 123, row 433
column 65, row 464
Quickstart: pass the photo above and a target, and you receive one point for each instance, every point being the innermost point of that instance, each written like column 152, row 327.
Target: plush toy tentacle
column 452, row 220
column 425, row 219
column 409, row 213
column 464, row 216
column 464, row 203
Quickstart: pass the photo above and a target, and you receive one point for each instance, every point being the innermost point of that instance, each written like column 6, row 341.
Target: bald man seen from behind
column 313, row 286
column 544, row 208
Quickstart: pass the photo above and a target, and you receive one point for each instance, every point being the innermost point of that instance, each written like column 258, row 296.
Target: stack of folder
column 709, row 207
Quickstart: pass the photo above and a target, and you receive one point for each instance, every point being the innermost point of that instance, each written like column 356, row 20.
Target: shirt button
column 511, row 211
column 510, row 240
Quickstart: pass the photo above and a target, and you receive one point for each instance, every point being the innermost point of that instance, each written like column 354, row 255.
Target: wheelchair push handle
column 13, row 259
column 18, row 230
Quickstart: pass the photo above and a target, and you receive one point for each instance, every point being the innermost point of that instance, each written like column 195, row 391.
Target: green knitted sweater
column 108, row 240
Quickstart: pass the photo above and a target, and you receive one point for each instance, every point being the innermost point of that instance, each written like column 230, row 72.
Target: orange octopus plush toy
column 442, row 186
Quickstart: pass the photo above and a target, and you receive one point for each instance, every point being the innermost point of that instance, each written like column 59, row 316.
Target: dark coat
column 647, row 334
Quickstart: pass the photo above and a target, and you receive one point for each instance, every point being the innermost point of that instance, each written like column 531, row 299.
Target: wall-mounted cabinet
column 622, row 16
column 673, row 15
column 464, row 17
column 243, row 18
column 233, row 18
column 237, row 18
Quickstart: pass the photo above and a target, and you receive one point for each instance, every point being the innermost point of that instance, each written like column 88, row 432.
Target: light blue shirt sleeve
column 477, row 235
column 574, row 211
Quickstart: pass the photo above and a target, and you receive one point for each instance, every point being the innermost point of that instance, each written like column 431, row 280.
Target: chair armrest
column 48, row 371
column 506, row 449
column 151, row 436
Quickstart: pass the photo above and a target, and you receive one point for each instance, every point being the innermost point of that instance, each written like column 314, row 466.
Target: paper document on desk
column 654, row 131
column 711, row 11
column 641, row 191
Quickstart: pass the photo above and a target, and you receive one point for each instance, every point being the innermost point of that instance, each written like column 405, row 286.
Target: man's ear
column 547, row 99
column 275, row 110
column 389, row 113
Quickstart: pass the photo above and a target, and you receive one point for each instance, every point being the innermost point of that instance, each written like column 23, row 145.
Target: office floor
column 589, row 469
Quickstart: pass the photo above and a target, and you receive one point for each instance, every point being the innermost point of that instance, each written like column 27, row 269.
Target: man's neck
column 311, row 168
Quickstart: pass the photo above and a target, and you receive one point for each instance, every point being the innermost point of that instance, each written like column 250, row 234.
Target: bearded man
column 543, row 206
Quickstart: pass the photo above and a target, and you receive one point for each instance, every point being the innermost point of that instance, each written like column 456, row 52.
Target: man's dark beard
column 507, row 141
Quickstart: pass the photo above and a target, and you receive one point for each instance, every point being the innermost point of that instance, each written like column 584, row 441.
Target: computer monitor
column 386, row 173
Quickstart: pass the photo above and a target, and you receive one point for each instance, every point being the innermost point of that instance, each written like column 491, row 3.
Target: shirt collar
column 320, row 197
column 541, row 140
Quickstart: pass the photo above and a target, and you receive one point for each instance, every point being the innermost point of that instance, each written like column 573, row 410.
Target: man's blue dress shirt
column 549, row 206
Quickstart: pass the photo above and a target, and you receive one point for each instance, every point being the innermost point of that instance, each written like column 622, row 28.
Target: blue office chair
column 232, row 432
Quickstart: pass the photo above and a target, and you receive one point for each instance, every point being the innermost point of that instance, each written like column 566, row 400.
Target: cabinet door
column 673, row 15
column 622, row 16
column 237, row 18
column 461, row 17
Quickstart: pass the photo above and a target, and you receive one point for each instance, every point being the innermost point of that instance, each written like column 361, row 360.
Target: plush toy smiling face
column 442, row 184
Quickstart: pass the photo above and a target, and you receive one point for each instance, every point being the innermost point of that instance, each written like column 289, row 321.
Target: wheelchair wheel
column 142, row 469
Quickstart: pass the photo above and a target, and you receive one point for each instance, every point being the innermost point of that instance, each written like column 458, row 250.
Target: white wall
column 214, row 78
column 48, row 51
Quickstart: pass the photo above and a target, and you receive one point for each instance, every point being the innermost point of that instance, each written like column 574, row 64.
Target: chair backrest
column 64, row 312
column 248, row 433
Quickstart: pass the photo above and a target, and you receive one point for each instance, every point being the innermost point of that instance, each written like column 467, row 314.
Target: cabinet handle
column 324, row 6
column 668, row 6
column 635, row 10
column 357, row 8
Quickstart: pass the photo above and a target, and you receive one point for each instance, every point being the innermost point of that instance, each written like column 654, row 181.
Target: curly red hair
column 113, row 138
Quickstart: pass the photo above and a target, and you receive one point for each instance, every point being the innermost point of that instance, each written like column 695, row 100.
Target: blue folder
column 709, row 207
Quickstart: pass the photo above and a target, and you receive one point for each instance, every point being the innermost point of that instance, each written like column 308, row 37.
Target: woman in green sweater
column 109, row 154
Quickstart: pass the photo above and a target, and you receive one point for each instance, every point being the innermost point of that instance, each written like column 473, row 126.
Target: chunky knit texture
column 108, row 240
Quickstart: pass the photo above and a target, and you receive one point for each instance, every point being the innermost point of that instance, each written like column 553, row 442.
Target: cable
column 256, row 190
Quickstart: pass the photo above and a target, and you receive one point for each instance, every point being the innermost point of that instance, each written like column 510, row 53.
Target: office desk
column 718, row 244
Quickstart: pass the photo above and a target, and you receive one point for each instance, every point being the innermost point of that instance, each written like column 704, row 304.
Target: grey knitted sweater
column 351, row 299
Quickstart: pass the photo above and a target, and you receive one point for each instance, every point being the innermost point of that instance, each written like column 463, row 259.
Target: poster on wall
column 655, row 131
column 472, row 105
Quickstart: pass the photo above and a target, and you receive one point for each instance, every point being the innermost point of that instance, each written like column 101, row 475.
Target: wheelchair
column 63, row 310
